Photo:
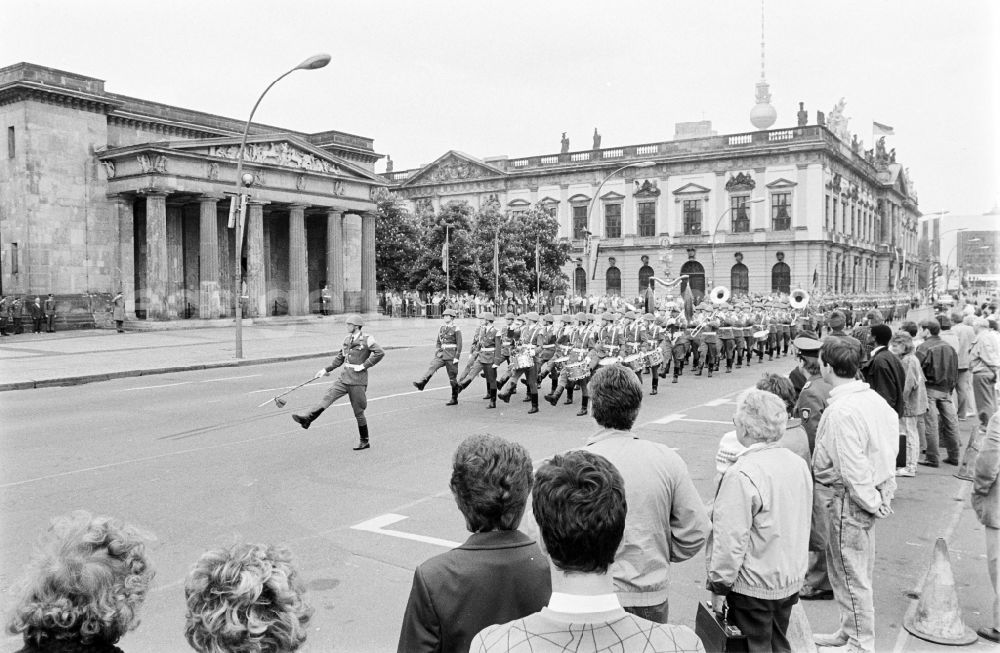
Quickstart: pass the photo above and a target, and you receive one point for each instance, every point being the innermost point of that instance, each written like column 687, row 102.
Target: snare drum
column 761, row 335
column 610, row 360
column 523, row 360
column 577, row 371
column 634, row 361
column 654, row 357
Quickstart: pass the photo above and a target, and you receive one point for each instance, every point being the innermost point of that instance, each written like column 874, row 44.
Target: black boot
column 308, row 418
column 729, row 367
column 675, row 379
column 464, row 384
column 363, row 441
column 697, row 371
column 504, row 397
column 569, row 396
column 553, row 397
column 454, row 395
column 656, row 386
column 583, row 407
column 534, row 403
column 419, row 385
column 493, row 400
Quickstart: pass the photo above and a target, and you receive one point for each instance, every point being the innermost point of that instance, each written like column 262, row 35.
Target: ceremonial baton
column 278, row 401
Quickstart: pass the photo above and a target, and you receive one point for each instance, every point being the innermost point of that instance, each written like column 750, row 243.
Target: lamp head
column 643, row 164
column 247, row 178
column 314, row 62
column 756, row 200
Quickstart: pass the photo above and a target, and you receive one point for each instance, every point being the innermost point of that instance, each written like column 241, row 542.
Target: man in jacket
column 939, row 363
column 36, row 312
column 986, row 502
column 883, row 371
column 984, row 363
column 965, row 334
column 358, row 352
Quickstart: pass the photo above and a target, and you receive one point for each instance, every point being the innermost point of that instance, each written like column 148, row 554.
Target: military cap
column 354, row 319
column 509, row 316
column 580, row 316
column 549, row 317
column 607, row 316
column 629, row 315
column 450, row 312
column 649, row 317
column 660, row 321
column 808, row 343
column 591, row 317
column 533, row 316
column 567, row 318
column 487, row 315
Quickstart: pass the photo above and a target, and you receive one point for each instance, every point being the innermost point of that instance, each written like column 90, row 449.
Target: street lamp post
column 756, row 200
column 592, row 255
column 947, row 266
column 944, row 266
column 312, row 63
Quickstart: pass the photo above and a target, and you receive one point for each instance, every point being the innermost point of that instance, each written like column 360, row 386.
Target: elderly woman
column 499, row 574
column 914, row 399
column 760, row 526
column 83, row 589
column 245, row 599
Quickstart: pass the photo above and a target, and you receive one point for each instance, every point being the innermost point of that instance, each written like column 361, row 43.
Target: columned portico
column 255, row 276
column 209, row 305
column 298, row 272
column 335, row 258
column 156, row 256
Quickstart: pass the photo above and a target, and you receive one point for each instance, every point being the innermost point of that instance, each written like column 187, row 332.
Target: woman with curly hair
column 246, row 599
column 82, row 591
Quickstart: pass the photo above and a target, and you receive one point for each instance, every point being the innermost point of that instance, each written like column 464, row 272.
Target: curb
column 107, row 376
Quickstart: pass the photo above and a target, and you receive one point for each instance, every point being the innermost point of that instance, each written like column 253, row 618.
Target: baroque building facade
column 761, row 212
column 101, row 193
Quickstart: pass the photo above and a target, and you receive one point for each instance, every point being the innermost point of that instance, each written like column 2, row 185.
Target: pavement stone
column 87, row 356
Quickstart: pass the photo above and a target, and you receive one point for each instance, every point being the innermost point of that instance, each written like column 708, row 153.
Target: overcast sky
column 495, row 78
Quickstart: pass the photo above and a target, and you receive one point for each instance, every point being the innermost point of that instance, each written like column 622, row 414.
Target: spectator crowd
column 575, row 555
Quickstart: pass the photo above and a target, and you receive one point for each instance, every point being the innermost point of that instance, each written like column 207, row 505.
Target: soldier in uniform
column 531, row 335
column 467, row 372
column 727, row 338
column 50, row 314
column 655, row 334
column 634, row 335
column 358, row 353
column 785, row 319
column 487, row 360
column 680, row 346
column 3, row 315
column 510, row 337
column 809, row 409
column 561, row 334
column 708, row 349
column 448, row 351
column 580, row 340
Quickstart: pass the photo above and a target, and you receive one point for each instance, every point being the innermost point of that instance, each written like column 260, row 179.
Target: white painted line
column 704, row 421
column 720, row 401
column 669, row 418
column 230, row 378
column 378, row 524
column 153, row 387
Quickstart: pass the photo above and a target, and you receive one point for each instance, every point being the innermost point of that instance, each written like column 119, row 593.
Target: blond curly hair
column 86, row 581
column 246, row 599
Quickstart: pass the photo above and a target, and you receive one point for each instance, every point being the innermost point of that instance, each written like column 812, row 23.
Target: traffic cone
column 967, row 470
column 799, row 633
column 938, row 616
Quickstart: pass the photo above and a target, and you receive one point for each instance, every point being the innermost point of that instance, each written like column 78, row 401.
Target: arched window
column 739, row 279
column 645, row 272
column 781, row 278
column 696, row 277
column 580, row 281
column 613, row 281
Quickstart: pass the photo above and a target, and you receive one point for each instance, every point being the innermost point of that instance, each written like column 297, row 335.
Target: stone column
column 335, row 258
column 209, row 307
column 256, row 305
column 126, row 251
column 156, row 256
column 369, row 302
column 298, row 270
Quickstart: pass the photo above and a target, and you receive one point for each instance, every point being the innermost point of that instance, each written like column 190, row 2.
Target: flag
column 815, row 277
column 538, row 254
column 444, row 255
column 688, row 299
column 878, row 129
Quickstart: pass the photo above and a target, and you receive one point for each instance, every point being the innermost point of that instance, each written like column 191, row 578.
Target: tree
column 397, row 242
column 427, row 273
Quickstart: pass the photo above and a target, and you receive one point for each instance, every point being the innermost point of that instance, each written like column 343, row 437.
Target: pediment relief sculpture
column 276, row 153
column 452, row 169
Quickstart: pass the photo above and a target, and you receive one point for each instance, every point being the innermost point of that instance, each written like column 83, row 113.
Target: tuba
column 719, row 295
column 798, row 299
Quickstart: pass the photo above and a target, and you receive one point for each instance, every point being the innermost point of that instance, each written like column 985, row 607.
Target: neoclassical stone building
column 763, row 211
column 101, row 192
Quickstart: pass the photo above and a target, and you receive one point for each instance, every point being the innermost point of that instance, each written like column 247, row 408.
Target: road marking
column 378, row 524
column 703, row 421
column 168, row 385
column 720, row 401
column 230, row 378
column 669, row 418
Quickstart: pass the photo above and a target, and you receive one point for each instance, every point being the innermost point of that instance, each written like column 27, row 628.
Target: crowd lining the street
column 575, row 554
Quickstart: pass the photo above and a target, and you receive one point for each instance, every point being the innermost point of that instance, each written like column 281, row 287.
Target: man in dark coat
column 883, row 371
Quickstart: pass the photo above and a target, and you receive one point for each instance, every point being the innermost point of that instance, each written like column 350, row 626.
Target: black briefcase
column 716, row 635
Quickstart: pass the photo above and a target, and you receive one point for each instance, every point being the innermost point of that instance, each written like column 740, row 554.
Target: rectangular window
column 826, row 218
column 551, row 209
column 834, row 214
column 612, row 220
column 852, row 232
column 692, row 217
column 11, row 149
column 647, row 219
column 781, row 219
column 738, row 209
column 13, row 258
column 579, row 221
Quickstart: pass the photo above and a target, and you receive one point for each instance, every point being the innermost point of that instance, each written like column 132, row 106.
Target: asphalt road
column 190, row 457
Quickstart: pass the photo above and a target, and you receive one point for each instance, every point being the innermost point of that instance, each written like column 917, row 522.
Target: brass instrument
column 798, row 299
column 719, row 295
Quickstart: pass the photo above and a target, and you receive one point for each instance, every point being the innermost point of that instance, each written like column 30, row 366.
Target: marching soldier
column 708, row 349
column 448, row 351
column 472, row 355
column 561, row 335
column 785, row 327
column 634, row 335
column 358, row 353
column 727, row 339
column 579, row 353
column 531, row 336
column 487, row 346
column 680, row 346
column 510, row 336
column 655, row 335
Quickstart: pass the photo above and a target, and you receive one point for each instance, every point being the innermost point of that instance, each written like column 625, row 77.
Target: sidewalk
column 85, row 356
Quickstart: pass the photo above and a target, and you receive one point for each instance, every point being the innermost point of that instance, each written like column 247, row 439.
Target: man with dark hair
column 498, row 574
column 883, row 371
column 939, row 363
column 579, row 503
column 667, row 521
column 855, row 457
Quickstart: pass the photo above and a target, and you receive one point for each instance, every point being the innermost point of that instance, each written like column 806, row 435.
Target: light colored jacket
column 914, row 388
column 965, row 335
column 760, row 525
column 985, row 488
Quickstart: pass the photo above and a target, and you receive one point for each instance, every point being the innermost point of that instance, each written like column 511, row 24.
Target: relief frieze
column 282, row 154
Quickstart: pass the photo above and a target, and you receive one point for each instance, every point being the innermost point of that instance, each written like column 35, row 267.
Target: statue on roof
column 564, row 142
column 836, row 121
column 597, row 139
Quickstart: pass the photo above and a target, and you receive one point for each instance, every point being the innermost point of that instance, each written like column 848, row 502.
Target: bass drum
column 577, row 371
column 654, row 357
column 634, row 362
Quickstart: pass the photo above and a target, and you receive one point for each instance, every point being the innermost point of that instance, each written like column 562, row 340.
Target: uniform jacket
column 488, row 345
column 885, row 374
column 985, row 488
column 358, row 349
column 545, row 341
column 492, row 578
column 508, row 338
column 635, row 336
column 449, row 342
column 50, row 307
column 810, row 406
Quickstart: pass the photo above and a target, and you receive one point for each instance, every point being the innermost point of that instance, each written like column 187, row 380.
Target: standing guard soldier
column 50, row 314
column 447, row 355
column 487, row 347
column 357, row 354
column 4, row 307
column 727, row 339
